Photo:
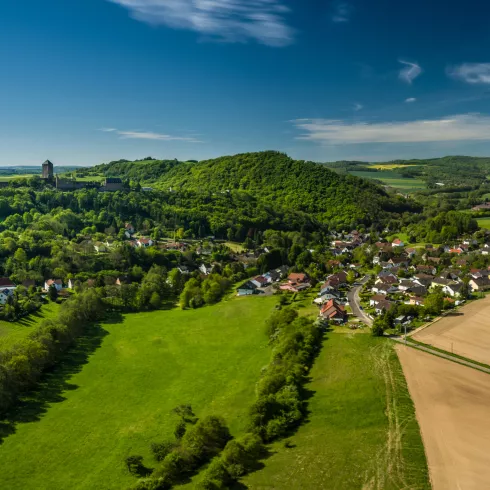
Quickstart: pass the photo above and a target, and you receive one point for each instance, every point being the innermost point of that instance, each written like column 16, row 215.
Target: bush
column 135, row 465
column 161, row 449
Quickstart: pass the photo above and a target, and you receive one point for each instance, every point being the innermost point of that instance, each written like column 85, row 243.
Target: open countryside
column 244, row 245
column 451, row 403
column 361, row 432
column 118, row 396
column 465, row 332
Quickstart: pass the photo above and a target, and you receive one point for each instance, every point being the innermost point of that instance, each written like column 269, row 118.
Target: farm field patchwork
column 361, row 430
column 392, row 179
column 112, row 400
column 466, row 332
column 451, row 403
column 12, row 332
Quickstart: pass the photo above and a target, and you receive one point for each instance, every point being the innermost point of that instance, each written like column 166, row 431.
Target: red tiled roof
column 6, row 282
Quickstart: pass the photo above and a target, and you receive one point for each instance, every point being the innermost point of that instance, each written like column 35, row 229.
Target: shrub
column 135, row 465
column 161, row 449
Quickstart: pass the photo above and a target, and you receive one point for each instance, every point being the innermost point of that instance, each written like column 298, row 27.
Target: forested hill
column 145, row 170
column 274, row 180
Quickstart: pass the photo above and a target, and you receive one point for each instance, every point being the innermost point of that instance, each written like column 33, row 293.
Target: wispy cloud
column 263, row 21
column 463, row 127
column 410, row 100
column 409, row 72
column 473, row 73
column 148, row 135
column 357, row 107
column 108, row 130
column 342, row 12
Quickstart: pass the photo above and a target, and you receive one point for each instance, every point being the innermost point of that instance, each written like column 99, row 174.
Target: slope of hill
column 275, row 181
column 454, row 171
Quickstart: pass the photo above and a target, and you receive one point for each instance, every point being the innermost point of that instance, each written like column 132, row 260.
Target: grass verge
column 12, row 332
column 362, row 432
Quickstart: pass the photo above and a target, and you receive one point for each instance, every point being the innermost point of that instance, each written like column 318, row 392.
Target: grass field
column 235, row 247
column 389, row 166
column 114, row 394
column 12, row 332
column 393, row 179
column 361, row 433
column 6, row 178
column 484, row 223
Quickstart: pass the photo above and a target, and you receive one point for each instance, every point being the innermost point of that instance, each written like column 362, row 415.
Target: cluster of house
column 258, row 284
column 413, row 282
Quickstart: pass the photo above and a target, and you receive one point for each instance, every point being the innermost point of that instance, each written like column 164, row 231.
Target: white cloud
column 410, row 72
column 226, row 20
column 464, row 127
column 148, row 135
column 357, row 107
column 471, row 72
column 410, row 100
column 108, row 130
column 342, row 12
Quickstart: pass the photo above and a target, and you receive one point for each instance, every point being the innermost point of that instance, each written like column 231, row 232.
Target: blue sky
column 88, row 81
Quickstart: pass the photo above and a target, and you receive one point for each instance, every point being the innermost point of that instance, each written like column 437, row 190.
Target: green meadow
column 484, row 223
column 393, row 180
column 12, row 332
column 361, row 431
column 113, row 395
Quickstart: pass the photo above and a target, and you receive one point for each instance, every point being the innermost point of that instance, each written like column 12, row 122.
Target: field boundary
column 464, row 361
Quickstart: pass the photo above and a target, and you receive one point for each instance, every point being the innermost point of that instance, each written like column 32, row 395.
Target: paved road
column 355, row 302
column 448, row 356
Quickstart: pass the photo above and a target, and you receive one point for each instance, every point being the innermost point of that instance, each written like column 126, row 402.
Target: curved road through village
column 355, row 302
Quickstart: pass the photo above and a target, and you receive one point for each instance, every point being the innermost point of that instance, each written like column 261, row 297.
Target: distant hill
column 453, row 171
column 275, row 181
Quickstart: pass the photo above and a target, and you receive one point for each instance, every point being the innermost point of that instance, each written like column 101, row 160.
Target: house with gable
column 334, row 312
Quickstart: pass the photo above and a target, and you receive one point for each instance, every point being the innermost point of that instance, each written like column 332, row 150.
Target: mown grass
column 12, row 332
column 361, row 432
column 484, row 223
column 112, row 400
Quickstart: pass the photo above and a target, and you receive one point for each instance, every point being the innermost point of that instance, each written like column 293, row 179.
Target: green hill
column 275, row 181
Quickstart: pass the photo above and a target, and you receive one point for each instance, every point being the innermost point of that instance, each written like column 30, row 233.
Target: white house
column 452, row 289
column 144, row 242
column 205, row 269
column 57, row 283
column 4, row 295
column 397, row 243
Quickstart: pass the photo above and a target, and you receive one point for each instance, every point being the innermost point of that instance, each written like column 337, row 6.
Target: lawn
column 114, row 394
column 235, row 247
column 484, row 223
column 361, row 432
column 12, row 332
column 7, row 178
column 393, row 179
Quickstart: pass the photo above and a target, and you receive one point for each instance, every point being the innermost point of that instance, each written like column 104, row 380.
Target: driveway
column 355, row 302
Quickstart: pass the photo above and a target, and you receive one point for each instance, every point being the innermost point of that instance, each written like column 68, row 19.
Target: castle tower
column 48, row 170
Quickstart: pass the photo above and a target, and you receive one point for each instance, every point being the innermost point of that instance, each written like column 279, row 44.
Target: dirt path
column 452, row 405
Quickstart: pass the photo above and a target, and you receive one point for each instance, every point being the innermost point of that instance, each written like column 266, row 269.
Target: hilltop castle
column 110, row 184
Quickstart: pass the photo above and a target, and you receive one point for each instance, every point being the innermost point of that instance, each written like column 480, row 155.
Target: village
column 363, row 279
column 396, row 278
